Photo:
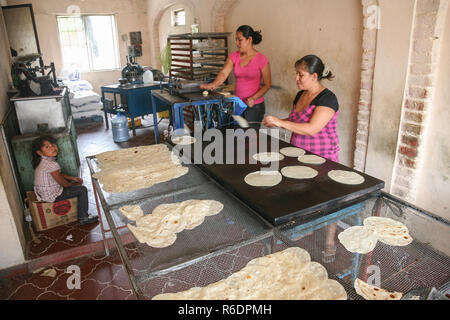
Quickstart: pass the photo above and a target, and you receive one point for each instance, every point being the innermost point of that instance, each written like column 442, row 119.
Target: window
column 178, row 17
column 89, row 42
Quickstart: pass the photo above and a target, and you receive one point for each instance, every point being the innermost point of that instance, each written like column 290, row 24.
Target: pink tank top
column 248, row 78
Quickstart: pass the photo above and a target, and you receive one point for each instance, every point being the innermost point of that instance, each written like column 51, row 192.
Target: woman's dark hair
column 314, row 64
column 248, row 31
column 36, row 145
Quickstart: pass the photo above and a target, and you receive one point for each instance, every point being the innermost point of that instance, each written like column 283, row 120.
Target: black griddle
column 291, row 198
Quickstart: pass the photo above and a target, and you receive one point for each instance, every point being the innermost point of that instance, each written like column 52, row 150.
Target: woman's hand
column 250, row 102
column 272, row 121
column 207, row 86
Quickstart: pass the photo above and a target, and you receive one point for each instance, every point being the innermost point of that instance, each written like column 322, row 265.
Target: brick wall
column 367, row 72
column 418, row 96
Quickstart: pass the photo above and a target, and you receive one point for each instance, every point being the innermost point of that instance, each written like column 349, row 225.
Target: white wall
column 159, row 21
column 391, row 65
column 11, row 236
column 165, row 24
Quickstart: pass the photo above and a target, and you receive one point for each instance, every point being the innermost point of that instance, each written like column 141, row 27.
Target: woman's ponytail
column 248, row 31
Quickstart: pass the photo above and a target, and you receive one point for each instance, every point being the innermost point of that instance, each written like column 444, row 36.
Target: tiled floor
column 102, row 277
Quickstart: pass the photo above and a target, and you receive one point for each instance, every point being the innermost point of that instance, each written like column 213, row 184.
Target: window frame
column 174, row 17
column 87, row 44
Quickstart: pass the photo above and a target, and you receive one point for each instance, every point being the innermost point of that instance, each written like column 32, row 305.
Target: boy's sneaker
column 87, row 220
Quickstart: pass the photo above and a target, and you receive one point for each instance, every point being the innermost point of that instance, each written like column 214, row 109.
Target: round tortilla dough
column 299, row 172
column 292, row 152
column 184, row 140
column 268, row 157
column 358, row 239
column 311, row 159
column 346, row 177
column 263, row 178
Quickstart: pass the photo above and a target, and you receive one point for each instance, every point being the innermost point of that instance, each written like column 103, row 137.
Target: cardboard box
column 47, row 215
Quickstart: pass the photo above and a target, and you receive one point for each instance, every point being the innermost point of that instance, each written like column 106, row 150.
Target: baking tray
column 193, row 178
column 292, row 198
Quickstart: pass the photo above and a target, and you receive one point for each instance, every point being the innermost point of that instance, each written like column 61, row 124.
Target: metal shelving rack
column 198, row 56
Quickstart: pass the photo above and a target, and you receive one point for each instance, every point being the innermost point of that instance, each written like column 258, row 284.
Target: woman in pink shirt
column 252, row 73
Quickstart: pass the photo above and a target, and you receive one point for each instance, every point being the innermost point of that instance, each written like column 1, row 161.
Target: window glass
column 88, row 42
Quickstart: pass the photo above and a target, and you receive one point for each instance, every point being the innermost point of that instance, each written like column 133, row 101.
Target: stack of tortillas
column 288, row 274
column 137, row 168
column 159, row 228
column 363, row 239
column 370, row 292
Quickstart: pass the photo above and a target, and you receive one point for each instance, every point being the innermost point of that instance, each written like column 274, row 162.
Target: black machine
column 32, row 81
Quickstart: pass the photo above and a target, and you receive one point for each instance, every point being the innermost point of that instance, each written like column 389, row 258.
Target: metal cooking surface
column 291, row 197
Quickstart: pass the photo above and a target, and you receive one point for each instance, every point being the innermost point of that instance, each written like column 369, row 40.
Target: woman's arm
column 320, row 118
column 267, row 83
column 221, row 77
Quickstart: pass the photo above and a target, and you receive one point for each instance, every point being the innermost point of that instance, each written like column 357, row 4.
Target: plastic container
column 148, row 76
column 119, row 124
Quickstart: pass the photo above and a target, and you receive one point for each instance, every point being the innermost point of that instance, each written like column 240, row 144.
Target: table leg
column 179, row 121
column 105, row 242
column 104, row 110
column 133, row 126
column 155, row 120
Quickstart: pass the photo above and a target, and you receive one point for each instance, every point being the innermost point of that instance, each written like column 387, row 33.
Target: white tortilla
column 132, row 212
column 268, row 157
column 263, row 178
column 346, row 177
column 370, row 292
column 159, row 228
column 136, row 168
column 292, row 152
column 184, row 140
column 389, row 231
column 242, row 122
column 358, row 239
column 299, row 172
column 311, row 159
